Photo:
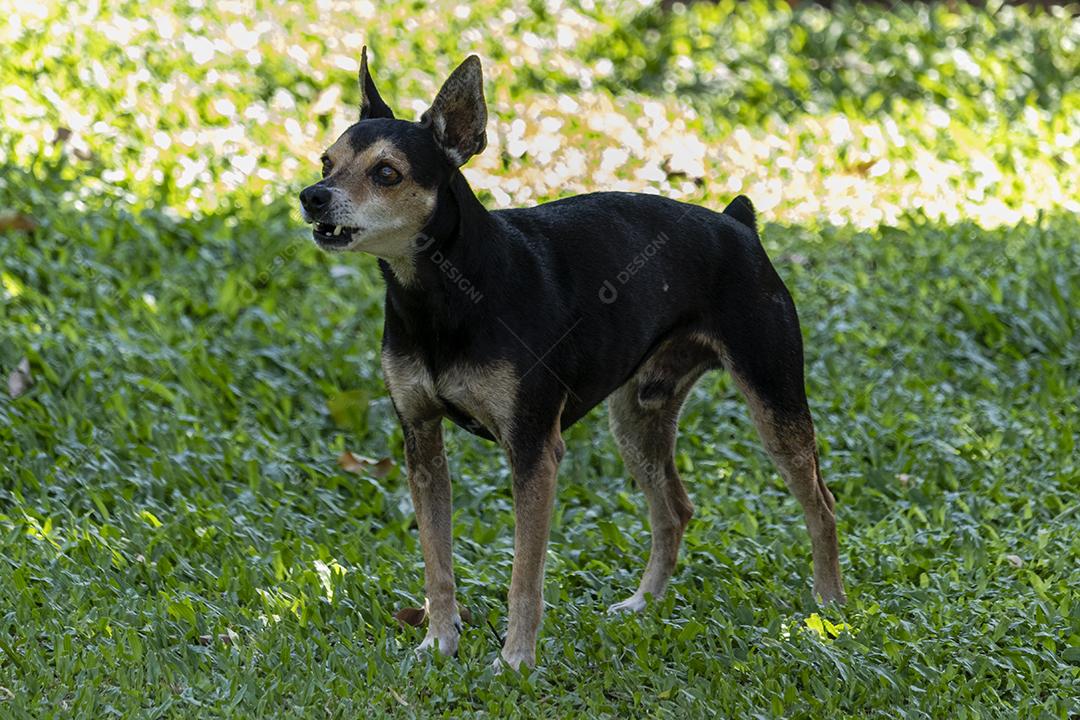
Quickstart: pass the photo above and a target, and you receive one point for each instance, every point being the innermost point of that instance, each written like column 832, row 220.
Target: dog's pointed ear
column 371, row 104
column 458, row 117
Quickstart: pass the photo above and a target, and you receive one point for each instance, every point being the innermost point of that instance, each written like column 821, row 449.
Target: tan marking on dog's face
column 384, row 218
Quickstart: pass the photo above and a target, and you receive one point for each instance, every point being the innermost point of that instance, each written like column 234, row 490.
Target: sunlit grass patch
column 184, row 109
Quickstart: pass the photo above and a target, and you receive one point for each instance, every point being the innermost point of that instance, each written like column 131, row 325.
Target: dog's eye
column 327, row 166
column 385, row 174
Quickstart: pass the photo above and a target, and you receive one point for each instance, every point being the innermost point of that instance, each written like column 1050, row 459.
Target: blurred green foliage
column 745, row 62
column 845, row 116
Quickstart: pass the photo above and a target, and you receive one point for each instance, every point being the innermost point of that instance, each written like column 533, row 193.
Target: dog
column 513, row 324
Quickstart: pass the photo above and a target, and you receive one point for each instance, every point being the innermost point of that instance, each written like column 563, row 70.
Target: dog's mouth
column 333, row 236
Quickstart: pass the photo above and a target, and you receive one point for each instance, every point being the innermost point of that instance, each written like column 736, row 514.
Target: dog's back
column 625, row 270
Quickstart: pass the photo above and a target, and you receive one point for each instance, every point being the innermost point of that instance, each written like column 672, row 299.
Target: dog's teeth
column 337, row 230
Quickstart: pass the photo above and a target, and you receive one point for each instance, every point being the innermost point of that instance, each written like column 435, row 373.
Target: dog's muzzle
column 316, row 200
column 333, row 236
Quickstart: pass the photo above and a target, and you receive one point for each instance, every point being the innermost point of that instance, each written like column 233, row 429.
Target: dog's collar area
column 327, row 234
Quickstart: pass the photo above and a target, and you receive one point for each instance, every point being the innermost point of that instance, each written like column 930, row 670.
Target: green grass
column 177, row 540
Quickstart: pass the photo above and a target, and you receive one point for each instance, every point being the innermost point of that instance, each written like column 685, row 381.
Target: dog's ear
column 371, row 104
column 458, row 117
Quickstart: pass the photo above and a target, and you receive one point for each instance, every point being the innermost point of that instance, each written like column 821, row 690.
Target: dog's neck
column 439, row 286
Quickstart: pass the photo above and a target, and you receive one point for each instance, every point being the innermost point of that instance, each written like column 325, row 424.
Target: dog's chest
column 468, row 394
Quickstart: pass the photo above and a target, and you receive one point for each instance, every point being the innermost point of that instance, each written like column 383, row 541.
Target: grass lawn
column 177, row 538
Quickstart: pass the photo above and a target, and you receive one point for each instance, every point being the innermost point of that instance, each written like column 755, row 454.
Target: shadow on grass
column 232, row 322
column 174, row 525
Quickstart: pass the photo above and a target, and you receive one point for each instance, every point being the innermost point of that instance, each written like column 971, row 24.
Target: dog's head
column 382, row 177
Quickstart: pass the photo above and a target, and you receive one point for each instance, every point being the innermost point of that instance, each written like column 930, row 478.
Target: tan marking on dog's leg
column 429, row 483
column 411, row 386
column 534, row 495
column 789, row 440
column 488, row 393
column 645, row 434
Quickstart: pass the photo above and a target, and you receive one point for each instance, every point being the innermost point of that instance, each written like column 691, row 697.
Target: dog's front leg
column 429, row 482
column 535, row 461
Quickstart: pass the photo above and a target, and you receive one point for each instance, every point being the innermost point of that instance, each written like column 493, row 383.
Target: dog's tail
column 742, row 210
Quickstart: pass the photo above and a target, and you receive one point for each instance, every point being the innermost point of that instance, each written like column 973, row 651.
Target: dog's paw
column 447, row 644
column 513, row 660
column 634, row 603
column 446, row 640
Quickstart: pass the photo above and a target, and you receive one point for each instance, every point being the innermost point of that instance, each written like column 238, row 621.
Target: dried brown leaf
column 13, row 220
column 417, row 616
column 351, row 462
column 410, row 616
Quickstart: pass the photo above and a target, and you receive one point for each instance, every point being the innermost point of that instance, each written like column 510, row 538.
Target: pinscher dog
column 513, row 324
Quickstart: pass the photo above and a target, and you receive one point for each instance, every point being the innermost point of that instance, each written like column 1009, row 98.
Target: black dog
column 516, row 323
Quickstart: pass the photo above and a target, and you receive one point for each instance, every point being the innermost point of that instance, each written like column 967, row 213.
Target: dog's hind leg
column 644, row 416
column 762, row 349
column 788, row 436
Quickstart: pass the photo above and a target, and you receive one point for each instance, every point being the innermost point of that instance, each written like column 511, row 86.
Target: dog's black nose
column 315, row 198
